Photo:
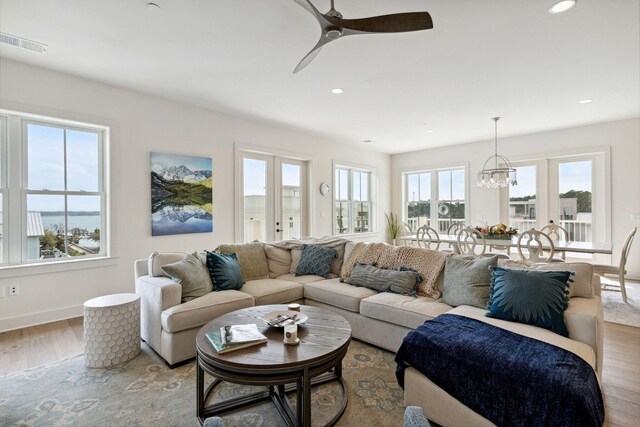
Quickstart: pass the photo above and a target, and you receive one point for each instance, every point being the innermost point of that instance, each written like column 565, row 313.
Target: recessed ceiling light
column 367, row 141
column 562, row 6
column 153, row 6
column 585, row 101
column 337, row 90
column 430, row 131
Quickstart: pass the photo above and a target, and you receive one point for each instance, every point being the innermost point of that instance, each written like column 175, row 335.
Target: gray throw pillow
column 467, row 280
column 402, row 281
column 192, row 276
column 316, row 259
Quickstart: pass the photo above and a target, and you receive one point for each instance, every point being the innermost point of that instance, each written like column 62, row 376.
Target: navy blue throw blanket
column 510, row 379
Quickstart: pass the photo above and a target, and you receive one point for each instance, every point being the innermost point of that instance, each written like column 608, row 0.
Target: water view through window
column 64, row 200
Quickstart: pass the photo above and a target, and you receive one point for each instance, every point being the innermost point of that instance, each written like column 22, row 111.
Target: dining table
column 558, row 245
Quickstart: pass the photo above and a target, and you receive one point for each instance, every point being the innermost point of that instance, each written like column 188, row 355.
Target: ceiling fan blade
column 312, row 54
column 395, row 23
column 309, row 7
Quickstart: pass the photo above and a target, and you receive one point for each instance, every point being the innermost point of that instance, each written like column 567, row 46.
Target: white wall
column 623, row 138
column 141, row 124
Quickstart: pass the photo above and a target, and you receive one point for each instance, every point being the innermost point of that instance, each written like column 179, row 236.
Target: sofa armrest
column 140, row 267
column 585, row 322
column 156, row 295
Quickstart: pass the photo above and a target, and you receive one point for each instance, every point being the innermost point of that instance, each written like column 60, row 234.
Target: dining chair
column 601, row 269
column 406, row 232
column 557, row 232
column 427, row 237
column 471, row 242
column 531, row 240
column 453, row 230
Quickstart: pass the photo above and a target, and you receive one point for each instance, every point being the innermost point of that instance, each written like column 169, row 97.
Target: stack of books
column 235, row 337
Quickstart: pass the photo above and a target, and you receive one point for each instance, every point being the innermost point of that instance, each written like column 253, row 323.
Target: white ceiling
column 483, row 58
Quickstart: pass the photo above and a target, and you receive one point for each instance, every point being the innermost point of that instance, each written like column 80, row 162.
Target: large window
column 523, row 201
column 58, row 201
column 352, row 197
column 449, row 186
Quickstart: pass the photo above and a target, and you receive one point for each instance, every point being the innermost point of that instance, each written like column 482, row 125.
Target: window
column 450, row 187
column 59, row 199
column 352, row 197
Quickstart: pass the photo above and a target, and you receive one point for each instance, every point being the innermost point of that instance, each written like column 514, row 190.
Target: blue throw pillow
column 533, row 297
column 224, row 271
column 316, row 259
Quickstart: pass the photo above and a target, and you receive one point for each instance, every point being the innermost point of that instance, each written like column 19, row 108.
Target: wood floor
column 34, row 346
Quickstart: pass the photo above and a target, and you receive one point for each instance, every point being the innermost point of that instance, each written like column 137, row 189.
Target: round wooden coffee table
column 324, row 340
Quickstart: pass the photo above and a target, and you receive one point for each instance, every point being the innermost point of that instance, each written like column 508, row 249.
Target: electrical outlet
column 13, row 290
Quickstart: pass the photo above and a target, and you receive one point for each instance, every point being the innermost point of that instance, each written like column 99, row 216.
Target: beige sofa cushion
column 273, row 291
column 579, row 348
column 296, row 255
column 278, row 260
column 307, row 278
column 402, row 310
column 197, row 312
column 337, row 294
column 251, row 257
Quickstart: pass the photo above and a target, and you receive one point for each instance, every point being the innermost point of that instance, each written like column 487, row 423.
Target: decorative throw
column 192, row 276
column 225, row 271
column 316, row 259
column 533, row 297
column 427, row 262
column 509, row 379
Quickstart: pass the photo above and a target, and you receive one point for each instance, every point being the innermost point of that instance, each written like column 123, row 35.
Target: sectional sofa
column 379, row 318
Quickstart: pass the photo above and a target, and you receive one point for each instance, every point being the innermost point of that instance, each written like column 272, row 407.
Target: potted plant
column 392, row 225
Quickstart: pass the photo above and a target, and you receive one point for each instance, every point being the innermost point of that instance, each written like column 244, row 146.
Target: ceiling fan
column 333, row 26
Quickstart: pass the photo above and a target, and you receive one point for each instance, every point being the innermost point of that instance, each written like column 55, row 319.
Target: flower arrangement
column 498, row 232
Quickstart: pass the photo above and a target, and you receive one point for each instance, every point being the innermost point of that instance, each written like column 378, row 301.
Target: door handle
column 278, row 230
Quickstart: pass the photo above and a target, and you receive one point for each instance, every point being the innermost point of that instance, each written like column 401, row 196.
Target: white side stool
column 111, row 330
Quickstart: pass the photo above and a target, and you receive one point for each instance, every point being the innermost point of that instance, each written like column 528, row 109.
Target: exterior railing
column 579, row 231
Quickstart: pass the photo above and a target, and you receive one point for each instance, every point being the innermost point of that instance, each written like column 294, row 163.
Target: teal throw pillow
column 192, row 276
column 316, row 259
column 403, row 281
column 533, row 297
column 224, row 270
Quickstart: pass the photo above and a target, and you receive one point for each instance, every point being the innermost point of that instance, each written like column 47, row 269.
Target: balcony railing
column 579, row 231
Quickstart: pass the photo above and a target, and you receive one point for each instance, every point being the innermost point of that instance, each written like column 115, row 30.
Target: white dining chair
column 557, row 232
column 427, row 237
column 453, row 230
column 407, row 232
column 602, row 269
column 471, row 242
column 531, row 241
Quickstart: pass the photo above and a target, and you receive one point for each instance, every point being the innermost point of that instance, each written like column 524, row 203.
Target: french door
column 273, row 200
column 570, row 191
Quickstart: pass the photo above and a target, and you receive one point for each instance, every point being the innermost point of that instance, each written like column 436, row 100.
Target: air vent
column 23, row 43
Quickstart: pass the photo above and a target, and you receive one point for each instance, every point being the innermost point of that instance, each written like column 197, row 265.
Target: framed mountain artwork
column 181, row 194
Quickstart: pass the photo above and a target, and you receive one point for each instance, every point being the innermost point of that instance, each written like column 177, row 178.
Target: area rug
column 145, row 392
column 618, row 312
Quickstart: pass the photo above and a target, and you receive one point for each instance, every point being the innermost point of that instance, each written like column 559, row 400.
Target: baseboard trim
column 40, row 318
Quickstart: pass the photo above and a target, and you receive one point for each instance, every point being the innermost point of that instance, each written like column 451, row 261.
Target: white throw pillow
column 159, row 259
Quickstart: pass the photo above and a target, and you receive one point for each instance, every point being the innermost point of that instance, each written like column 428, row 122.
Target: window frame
column 14, row 166
column 434, row 193
column 351, row 202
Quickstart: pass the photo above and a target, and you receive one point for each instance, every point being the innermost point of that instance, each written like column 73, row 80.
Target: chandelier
column 502, row 174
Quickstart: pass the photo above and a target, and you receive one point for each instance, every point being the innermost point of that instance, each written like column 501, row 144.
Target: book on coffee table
column 235, row 337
